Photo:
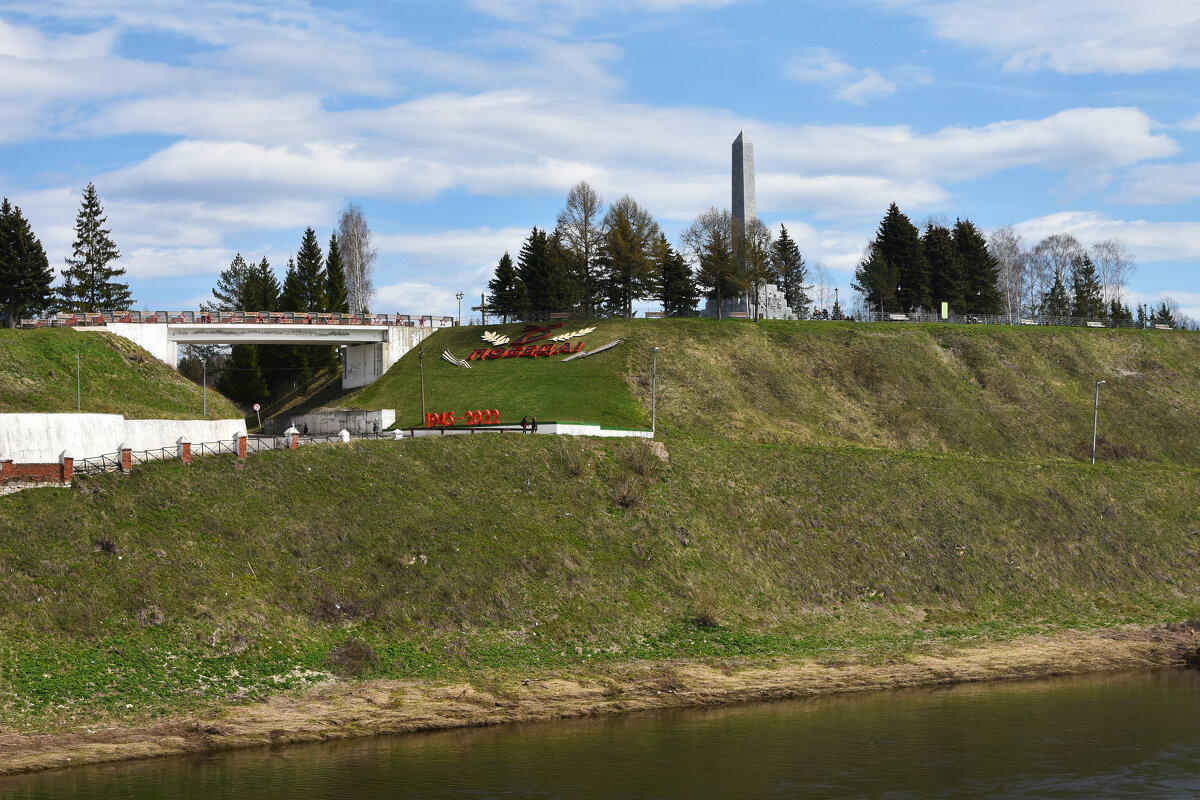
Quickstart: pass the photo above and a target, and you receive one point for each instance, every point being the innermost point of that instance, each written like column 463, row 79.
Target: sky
column 211, row 128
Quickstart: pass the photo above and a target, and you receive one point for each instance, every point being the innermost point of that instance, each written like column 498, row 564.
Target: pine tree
column 88, row 278
column 335, row 280
column 1056, row 302
column 1163, row 315
column 1085, row 286
column 1119, row 313
column 677, row 287
column 981, row 272
column 306, row 291
column 876, row 279
column 25, row 273
column 262, row 288
column 790, row 270
column 230, row 290
column 508, row 295
column 533, row 273
column 946, row 269
column 895, row 272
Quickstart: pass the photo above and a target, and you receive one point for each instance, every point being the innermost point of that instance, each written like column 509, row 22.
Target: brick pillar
column 185, row 449
column 126, row 458
column 68, row 466
column 6, row 468
column 293, row 437
column 241, row 445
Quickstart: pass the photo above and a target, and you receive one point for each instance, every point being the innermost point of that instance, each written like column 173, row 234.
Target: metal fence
column 67, row 320
column 109, row 462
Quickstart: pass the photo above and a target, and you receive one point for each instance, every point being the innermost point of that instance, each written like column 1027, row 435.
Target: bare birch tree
column 1115, row 264
column 1006, row 246
column 358, row 257
column 579, row 226
column 822, row 286
column 1049, row 262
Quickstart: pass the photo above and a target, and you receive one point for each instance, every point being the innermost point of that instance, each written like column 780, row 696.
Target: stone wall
column 40, row 438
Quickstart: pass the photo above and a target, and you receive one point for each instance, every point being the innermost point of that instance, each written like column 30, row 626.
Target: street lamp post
column 1095, row 418
column 459, row 297
column 653, row 390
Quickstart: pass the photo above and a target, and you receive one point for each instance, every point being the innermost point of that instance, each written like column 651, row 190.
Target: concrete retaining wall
column 551, row 428
column 334, row 420
column 40, row 438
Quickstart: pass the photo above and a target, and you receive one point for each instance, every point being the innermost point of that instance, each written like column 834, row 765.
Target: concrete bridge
column 370, row 344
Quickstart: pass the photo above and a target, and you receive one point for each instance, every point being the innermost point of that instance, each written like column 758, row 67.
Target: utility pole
column 78, row 392
column 653, row 390
column 421, row 366
column 459, row 297
column 1095, row 419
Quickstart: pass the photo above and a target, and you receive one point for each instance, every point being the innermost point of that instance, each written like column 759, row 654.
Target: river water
column 1131, row 735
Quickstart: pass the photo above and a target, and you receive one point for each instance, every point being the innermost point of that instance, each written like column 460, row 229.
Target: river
column 1128, row 735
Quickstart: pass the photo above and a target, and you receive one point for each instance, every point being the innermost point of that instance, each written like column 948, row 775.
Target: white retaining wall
column 40, row 438
column 334, row 420
column 551, row 428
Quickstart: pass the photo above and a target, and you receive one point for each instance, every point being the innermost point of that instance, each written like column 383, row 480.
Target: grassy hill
column 1007, row 392
column 830, row 491
column 37, row 374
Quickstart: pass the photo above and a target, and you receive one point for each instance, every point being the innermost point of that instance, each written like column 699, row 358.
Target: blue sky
column 212, row 128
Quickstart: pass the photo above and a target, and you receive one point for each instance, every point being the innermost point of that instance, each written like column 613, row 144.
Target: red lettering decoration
column 533, row 333
column 480, row 354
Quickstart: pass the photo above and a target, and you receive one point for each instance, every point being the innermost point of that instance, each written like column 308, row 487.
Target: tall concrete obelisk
column 744, row 202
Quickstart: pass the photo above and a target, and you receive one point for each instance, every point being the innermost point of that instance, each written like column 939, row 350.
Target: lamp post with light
column 459, row 298
column 1095, row 418
column 653, row 390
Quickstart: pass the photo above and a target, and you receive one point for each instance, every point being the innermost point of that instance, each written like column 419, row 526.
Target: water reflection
column 1125, row 735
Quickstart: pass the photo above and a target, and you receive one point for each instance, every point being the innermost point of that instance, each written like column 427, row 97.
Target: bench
column 561, row 315
column 898, row 317
column 655, row 314
column 1028, row 321
column 738, row 315
column 1160, row 327
column 1091, row 323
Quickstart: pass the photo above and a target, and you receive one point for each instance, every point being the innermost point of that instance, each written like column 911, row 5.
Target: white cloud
column 822, row 66
column 1159, row 184
column 1149, row 241
column 1192, row 124
column 171, row 262
column 1070, row 36
column 414, row 297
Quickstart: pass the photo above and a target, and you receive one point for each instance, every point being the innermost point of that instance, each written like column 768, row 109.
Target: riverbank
column 338, row 709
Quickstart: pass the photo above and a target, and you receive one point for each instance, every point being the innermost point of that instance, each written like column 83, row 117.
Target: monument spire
column 744, row 201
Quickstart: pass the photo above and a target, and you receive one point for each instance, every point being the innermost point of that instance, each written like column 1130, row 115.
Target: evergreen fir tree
column 626, row 256
column 790, row 270
column 946, row 269
column 308, row 288
column 241, row 379
column 262, row 288
column 1056, row 302
column 336, row 300
column 533, row 272
column 718, row 270
column 88, row 278
column 508, row 295
column 1143, row 315
column 25, row 273
column 895, row 271
column 981, row 272
column 677, row 285
column 1119, row 313
column 1085, row 285
column 876, row 279
column 1163, row 315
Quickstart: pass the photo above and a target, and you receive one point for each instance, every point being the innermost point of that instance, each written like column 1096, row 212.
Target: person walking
column 524, row 424
column 533, row 425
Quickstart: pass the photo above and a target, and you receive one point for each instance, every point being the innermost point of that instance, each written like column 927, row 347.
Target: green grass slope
column 1011, row 392
column 178, row 586
column 830, row 489
column 37, row 374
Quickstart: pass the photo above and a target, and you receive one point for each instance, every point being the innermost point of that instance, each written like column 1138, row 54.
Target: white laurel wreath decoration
column 458, row 362
column 495, row 338
column 562, row 337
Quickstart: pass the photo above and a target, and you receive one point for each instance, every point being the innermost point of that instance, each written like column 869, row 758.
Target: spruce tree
column 718, row 269
column 241, row 378
column 946, row 269
column 262, row 288
column 1085, row 285
column 895, row 272
column 677, row 287
column 627, row 255
column 306, row 292
column 790, row 270
column 1163, row 315
column 507, row 295
column 336, row 299
column 981, row 272
column 1119, row 313
column 1056, row 302
column 533, row 272
column 25, row 273
column 88, row 278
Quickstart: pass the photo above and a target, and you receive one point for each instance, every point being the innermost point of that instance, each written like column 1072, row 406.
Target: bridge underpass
column 368, row 351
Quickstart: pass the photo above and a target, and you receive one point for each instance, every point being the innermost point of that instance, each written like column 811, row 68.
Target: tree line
column 602, row 261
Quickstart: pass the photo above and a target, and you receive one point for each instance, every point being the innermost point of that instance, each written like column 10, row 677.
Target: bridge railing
column 101, row 318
